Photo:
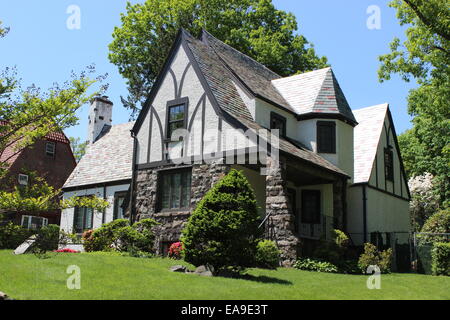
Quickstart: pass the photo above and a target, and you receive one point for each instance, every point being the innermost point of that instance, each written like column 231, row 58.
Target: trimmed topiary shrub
column 223, row 229
column 372, row 256
column 440, row 259
column 309, row 264
column 267, row 254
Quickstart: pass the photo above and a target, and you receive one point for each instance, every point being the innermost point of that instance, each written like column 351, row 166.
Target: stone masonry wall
column 281, row 217
column 172, row 222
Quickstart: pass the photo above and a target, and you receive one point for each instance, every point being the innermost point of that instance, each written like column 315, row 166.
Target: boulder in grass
column 178, row 268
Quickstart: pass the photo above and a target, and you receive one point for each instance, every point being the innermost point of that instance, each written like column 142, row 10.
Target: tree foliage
column 223, row 229
column 38, row 196
column 78, row 148
column 424, row 56
column 255, row 27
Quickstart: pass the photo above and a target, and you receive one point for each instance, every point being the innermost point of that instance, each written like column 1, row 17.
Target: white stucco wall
column 67, row 215
column 377, row 176
column 344, row 157
column 385, row 213
column 258, row 183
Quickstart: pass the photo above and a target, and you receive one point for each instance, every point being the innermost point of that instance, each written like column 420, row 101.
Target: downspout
column 133, row 178
column 364, row 212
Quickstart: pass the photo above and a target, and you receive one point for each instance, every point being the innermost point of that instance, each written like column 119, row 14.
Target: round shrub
column 437, row 223
column 267, row 254
column 120, row 236
column 12, row 235
column 223, row 229
column 176, row 250
column 372, row 256
column 440, row 259
column 47, row 239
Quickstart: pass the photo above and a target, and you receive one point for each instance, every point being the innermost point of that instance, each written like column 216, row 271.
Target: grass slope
column 105, row 276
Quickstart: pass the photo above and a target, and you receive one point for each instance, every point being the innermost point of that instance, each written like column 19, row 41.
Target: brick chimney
column 100, row 115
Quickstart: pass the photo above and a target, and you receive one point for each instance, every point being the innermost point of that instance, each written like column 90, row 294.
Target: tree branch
column 428, row 23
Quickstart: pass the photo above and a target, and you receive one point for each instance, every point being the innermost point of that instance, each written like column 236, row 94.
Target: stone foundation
column 172, row 222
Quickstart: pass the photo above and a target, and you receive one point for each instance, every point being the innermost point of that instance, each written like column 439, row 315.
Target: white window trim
column 23, row 179
column 50, row 152
column 44, row 221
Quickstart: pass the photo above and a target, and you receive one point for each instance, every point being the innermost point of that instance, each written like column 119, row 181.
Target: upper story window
column 50, row 148
column 278, row 122
column 176, row 116
column 326, row 137
column 389, row 163
column 175, row 189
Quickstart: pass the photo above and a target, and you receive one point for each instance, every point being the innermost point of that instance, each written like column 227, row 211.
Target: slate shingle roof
column 366, row 138
column 219, row 74
column 108, row 159
column 315, row 92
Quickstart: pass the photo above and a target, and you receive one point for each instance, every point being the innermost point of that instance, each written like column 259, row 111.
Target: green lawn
column 117, row 277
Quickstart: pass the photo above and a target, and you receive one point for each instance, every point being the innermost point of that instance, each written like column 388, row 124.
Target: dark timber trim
column 379, row 189
column 97, row 185
column 320, row 115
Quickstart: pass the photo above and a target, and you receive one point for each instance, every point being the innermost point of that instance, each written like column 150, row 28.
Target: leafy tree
column 223, row 229
column 27, row 115
column 425, row 56
column 424, row 199
column 38, row 196
column 78, row 148
column 254, row 27
column 3, row 31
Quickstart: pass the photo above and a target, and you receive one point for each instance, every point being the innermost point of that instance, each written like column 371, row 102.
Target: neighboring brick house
column 329, row 168
column 52, row 159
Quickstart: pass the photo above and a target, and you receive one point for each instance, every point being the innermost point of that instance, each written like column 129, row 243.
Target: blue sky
column 44, row 50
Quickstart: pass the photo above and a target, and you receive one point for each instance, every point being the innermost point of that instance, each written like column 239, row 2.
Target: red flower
column 67, row 250
column 176, row 250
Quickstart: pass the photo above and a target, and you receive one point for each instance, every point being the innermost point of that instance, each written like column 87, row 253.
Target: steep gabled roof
column 219, row 67
column 253, row 75
column 108, row 159
column 366, row 139
column 314, row 93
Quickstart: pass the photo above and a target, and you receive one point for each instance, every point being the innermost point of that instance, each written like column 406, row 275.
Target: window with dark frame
column 83, row 219
column 389, row 163
column 326, row 137
column 175, row 189
column 119, row 198
column 278, row 122
column 311, row 206
column 176, row 116
column 50, row 148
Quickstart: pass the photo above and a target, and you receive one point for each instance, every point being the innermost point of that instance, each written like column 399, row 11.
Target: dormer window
column 326, row 137
column 50, row 148
column 176, row 116
column 278, row 122
column 389, row 163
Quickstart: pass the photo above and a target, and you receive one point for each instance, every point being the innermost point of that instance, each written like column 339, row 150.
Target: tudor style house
column 104, row 170
column 50, row 158
column 313, row 163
